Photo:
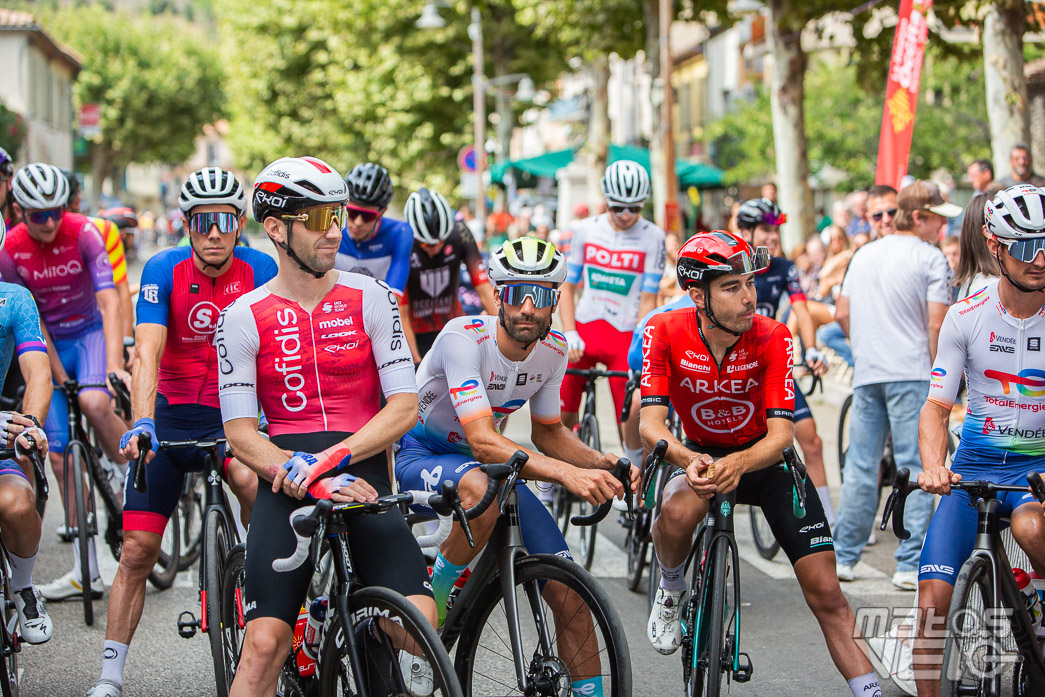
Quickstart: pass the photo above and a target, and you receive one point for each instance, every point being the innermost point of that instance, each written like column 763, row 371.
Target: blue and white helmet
column 626, row 182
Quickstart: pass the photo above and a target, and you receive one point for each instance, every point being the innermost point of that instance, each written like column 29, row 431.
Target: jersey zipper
column 210, row 367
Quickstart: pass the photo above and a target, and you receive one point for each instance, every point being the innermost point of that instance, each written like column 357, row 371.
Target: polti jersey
column 770, row 285
column 385, row 256
column 465, row 377
column 176, row 294
column 432, row 290
column 1004, row 368
column 720, row 405
column 19, row 325
column 63, row 275
column 110, row 233
column 617, row 267
column 323, row 370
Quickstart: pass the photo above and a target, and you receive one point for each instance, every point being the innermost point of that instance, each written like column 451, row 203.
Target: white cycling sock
column 21, row 571
column 672, row 579
column 865, row 686
column 113, row 656
column 825, row 498
column 92, row 559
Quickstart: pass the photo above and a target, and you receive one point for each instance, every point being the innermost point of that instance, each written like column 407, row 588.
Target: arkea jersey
column 635, row 350
column 723, row 405
column 616, row 267
column 63, row 275
column 323, row 370
column 385, row 256
column 465, row 377
column 432, row 290
column 770, row 285
column 113, row 247
column 176, row 294
column 1004, row 366
column 19, row 325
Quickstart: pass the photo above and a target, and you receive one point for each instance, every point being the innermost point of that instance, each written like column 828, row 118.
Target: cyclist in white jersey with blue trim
column 994, row 337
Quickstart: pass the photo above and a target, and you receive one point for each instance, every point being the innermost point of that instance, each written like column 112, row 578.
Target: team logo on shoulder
column 151, row 293
column 477, row 326
column 557, row 337
column 468, row 387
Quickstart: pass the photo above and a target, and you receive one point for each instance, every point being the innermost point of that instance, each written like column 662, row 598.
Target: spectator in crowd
column 840, row 214
column 816, row 254
column 769, row 191
column 731, row 224
column 837, row 240
column 474, row 225
column 1021, row 168
column 563, row 237
column 856, row 203
column 881, row 210
column 976, row 265
column 542, row 226
column 822, row 219
column 981, row 174
column 893, row 301
column 951, row 248
column 500, row 218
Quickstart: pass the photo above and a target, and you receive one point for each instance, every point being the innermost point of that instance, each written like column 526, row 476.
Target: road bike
column 402, row 654
column 10, row 643
column 988, row 617
column 564, row 504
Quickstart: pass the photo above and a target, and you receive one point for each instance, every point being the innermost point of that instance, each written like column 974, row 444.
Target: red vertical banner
column 901, row 92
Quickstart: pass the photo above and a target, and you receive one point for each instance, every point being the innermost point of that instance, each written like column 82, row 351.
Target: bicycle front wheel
column 9, row 671
column 216, row 549
column 74, row 468
column 711, row 653
column 190, row 507
column 973, row 660
column 399, row 650
column 636, row 543
column 589, row 435
column 233, row 623
column 568, row 627
column 843, row 434
column 763, row 534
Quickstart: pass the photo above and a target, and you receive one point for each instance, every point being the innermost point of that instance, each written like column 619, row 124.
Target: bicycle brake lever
column 144, row 445
column 1037, row 487
column 896, row 503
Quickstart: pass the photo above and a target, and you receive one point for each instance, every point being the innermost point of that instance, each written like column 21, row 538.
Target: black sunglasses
column 878, row 216
column 634, row 210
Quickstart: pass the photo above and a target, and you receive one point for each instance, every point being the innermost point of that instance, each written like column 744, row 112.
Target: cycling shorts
column 165, row 473
column 84, row 361
column 952, row 531
column 12, row 467
column 384, row 551
column 771, row 489
column 801, row 407
column 419, row 469
column 603, row 343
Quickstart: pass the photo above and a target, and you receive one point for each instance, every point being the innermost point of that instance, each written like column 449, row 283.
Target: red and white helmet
column 708, row 255
column 292, row 183
column 1016, row 213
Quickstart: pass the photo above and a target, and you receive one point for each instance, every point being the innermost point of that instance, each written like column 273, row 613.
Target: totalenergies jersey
column 317, row 371
column 465, row 377
column 1004, row 367
column 63, row 275
column 617, row 267
column 19, row 325
column 723, row 405
column 385, row 256
column 176, row 294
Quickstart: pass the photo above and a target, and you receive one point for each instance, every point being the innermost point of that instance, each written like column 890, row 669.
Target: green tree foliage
column 843, row 120
column 12, row 130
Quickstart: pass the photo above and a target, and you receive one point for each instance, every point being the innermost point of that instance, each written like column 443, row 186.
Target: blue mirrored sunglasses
column 516, row 294
column 201, row 223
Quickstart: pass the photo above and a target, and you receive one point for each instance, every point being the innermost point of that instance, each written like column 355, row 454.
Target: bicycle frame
column 214, row 500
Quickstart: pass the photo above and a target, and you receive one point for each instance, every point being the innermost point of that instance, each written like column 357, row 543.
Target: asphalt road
column 778, row 631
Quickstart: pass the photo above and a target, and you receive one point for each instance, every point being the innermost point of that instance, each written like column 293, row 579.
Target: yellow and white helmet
column 527, row 259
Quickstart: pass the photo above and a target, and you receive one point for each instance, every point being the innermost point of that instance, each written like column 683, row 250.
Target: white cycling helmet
column 429, row 215
column 210, row 186
column 1017, row 213
column 292, row 183
column 625, row 182
column 40, row 186
column 527, row 259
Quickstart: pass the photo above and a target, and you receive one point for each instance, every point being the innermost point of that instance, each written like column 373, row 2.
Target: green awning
column 690, row 173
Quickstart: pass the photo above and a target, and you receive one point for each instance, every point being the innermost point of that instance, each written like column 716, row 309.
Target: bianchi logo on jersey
column 435, row 281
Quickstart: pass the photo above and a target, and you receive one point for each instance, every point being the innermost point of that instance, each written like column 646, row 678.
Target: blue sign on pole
column 466, row 158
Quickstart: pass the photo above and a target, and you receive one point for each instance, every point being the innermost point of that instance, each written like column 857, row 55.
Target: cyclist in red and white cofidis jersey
column 60, row 257
column 316, row 349
column 727, row 371
column 620, row 258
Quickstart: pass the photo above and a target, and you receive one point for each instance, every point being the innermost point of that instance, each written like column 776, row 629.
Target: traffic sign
column 466, row 159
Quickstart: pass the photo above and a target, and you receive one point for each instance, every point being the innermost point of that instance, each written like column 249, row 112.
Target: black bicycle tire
column 166, row 567
column 766, row 550
column 422, row 632
column 9, row 672
column 969, row 577
column 548, row 566
column 636, row 545
column 191, row 506
column 842, row 442
column 232, row 609
column 217, row 547
column 589, row 434
column 562, row 507
column 708, row 683
column 73, row 459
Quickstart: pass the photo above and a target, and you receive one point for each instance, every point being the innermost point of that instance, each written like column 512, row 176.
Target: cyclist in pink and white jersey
column 60, row 257
column 316, row 349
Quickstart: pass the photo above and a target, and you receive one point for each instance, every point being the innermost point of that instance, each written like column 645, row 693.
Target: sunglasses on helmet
column 42, row 217
column 1024, row 250
column 320, row 219
column 516, row 294
column 365, row 213
column 201, row 223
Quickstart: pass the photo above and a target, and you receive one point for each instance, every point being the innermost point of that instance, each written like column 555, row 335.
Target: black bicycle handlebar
column 797, row 469
column 622, row 471
column 495, row 474
column 653, row 461
column 33, row 452
column 122, row 396
column 592, row 373
column 144, row 446
column 629, row 391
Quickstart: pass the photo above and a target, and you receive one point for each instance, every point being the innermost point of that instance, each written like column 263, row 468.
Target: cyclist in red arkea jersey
column 316, row 349
column 727, row 371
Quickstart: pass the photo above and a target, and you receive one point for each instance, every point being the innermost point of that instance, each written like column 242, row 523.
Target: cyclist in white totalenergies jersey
column 994, row 337
column 620, row 256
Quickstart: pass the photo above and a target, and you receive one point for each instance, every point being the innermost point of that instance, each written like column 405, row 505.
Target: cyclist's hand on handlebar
column 938, row 480
column 815, row 361
column 576, row 346
column 122, row 374
column 343, row 488
column 593, row 485
column 129, row 440
column 609, row 461
column 696, row 475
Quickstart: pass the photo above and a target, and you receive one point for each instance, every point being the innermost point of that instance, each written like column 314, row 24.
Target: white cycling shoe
column 68, row 586
column 106, row 688
column 34, row 624
column 417, row 674
column 664, row 629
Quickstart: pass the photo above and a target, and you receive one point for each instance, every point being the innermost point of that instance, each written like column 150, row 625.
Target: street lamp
column 430, row 17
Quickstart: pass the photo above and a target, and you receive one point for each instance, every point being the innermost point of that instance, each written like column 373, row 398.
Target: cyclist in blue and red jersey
column 174, row 393
column 60, row 257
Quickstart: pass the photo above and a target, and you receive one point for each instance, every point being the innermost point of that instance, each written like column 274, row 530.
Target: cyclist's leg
column 813, row 452
column 20, row 525
column 1028, row 528
column 681, row 510
column 244, row 484
column 573, row 385
column 95, row 401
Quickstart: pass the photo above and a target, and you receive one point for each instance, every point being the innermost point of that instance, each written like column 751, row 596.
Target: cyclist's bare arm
column 408, row 328
column 254, row 450
column 150, row 339
column 123, row 290
column 768, row 451
column 932, row 446
column 109, row 307
column 568, row 306
column 937, row 311
column 557, row 441
column 647, row 301
column 842, row 314
column 37, row 398
column 653, row 427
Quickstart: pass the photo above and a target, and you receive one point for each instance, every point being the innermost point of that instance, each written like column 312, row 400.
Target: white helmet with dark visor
column 1016, row 218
